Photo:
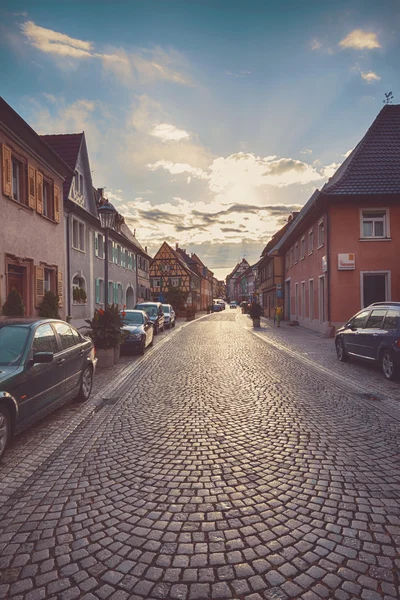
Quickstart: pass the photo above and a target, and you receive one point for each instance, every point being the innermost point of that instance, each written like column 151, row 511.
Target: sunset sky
column 207, row 121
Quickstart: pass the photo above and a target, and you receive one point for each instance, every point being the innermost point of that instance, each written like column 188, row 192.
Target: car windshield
column 12, row 344
column 166, row 310
column 132, row 318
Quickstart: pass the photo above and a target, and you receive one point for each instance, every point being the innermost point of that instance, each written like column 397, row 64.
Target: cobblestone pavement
column 219, row 467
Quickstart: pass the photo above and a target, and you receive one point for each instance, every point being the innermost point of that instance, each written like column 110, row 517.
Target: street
column 227, row 463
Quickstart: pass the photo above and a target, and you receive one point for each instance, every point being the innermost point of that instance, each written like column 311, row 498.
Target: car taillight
column 398, row 343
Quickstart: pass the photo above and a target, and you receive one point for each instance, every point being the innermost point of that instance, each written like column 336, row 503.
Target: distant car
column 233, row 304
column 221, row 302
column 155, row 313
column 139, row 330
column 373, row 334
column 216, row 307
column 43, row 364
column 169, row 315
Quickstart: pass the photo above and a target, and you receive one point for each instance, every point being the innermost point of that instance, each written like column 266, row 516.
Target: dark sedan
column 43, row 363
column 373, row 335
column 139, row 330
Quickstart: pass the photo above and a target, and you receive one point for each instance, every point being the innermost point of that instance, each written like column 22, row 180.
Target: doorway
column 287, row 300
column 374, row 288
column 130, row 298
column 322, row 299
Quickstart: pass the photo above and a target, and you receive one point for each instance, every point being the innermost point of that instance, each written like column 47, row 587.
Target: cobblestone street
column 224, row 464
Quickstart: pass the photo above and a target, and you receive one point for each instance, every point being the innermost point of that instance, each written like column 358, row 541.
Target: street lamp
column 107, row 215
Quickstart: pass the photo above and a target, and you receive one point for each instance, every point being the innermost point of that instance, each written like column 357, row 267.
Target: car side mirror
column 43, row 357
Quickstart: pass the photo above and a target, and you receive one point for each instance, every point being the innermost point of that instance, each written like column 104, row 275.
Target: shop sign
column 346, row 262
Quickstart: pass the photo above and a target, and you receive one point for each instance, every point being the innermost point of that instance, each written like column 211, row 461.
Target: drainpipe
column 328, row 260
column 68, row 236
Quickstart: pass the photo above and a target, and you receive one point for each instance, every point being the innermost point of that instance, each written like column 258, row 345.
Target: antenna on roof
column 389, row 97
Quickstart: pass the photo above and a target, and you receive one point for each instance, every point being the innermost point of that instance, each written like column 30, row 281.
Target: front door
column 374, row 288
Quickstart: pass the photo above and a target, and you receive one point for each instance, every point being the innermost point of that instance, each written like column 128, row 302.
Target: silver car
column 169, row 315
column 139, row 330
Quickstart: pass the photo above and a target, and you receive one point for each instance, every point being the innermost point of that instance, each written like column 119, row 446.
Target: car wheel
column 5, row 429
column 340, row 351
column 142, row 346
column 389, row 368
column 86, row 385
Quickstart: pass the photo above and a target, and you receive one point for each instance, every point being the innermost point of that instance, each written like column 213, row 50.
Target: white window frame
column 80, row 238
column 388, row 284
column 303, row 299
column 303, row 248
column 386, row 224
column 296, row 300
column 321, row 304
column 175, row 279
column 320, row 244
column 311, row 308
column 296, row 253
column 311, row 233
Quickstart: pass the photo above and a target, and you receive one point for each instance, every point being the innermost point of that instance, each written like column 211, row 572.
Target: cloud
column 370, row 76
column 238, row 73
column 144, row 65
column 359, row 39
column 315, row 44
column 346, row 154
column 54, row 42
column 306, row 151
column 177, row 168
column 167, row 133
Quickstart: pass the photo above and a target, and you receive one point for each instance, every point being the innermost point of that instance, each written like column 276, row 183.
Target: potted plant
column 82, row 295
column 75, row 294
column 106, row 333
column 49, row 306
column 255, row 312
column 14, row 305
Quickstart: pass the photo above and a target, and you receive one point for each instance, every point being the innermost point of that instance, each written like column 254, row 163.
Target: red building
column 341, row 252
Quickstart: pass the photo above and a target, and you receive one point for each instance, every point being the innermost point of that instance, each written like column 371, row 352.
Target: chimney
column 176, row 245
column 101, row 192
column 145, row 249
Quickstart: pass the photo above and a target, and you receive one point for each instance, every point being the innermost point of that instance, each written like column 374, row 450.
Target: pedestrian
column 278, row 315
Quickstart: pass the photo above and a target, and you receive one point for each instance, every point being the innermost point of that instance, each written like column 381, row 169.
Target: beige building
column 32, row 249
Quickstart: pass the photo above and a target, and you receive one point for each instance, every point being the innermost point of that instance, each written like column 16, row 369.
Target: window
column 310, row 241
column 287, row 261
column 65, row 334
column 156, row 283
column 110, row 251
column 49, row 280
column 48, row 200
column 99, row 291
column 359, row 320
column 296, row 299
column 291, row 256
column 175, row 281
column 45, row 340
column 78, row 235
column 303, row 248
column 321, row 281
column 392, row 320
column 296, row 253
column 17, row 180
column 126, row 259
column 321, row 234
column 311, row 299
column 374, row 224
column 99, row 245
column 303, row 299
column 376, row 319
column 81, row 184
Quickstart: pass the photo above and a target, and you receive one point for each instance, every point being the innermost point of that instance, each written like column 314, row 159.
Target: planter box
column 256, row 323
column 105, row 358
column 117, row 353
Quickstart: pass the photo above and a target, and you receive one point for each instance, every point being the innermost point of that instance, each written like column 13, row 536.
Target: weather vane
column 389, row 97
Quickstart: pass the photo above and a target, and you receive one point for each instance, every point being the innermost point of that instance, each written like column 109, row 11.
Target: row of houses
column 51, row 238
column 340, row 252
column 175, row 267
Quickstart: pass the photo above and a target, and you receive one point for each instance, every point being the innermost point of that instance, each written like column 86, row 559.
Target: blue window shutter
column 97, row 291
column 96, row 243
column 115, row 293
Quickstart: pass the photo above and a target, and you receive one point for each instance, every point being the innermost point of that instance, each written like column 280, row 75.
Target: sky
column 207, row 121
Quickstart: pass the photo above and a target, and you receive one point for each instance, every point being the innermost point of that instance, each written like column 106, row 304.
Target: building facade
column 32, row 245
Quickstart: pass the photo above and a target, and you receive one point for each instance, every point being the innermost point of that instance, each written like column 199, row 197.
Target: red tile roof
column 373, row 167
column 67, row 146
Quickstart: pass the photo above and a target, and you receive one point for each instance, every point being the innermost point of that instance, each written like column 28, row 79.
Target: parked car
column 373, row 334
column 155, row 313
column 169, row 315
column 43, row 363
column 221, row 302
column 139, row 330
column 216, row 307
column 233, row 304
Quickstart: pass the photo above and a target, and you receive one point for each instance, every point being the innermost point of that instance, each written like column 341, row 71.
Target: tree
column 14, row 305
column 176, row 297
column 49, row 306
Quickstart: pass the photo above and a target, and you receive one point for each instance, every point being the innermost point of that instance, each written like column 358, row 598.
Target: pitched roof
column 296, row 222
column 67, row 146
column 373, row 167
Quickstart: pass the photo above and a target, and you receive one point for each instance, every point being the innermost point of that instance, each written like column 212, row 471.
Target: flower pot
column 256, row 322
column 105, row 358
column 117, row 353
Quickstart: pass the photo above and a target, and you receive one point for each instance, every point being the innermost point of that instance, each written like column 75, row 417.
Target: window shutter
column 39, row 192
column 39, row 285
column 6, row 170
column 97, row 291
column 31, row 187
column 60, row 288
column 56, row 204
column 96, row 244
